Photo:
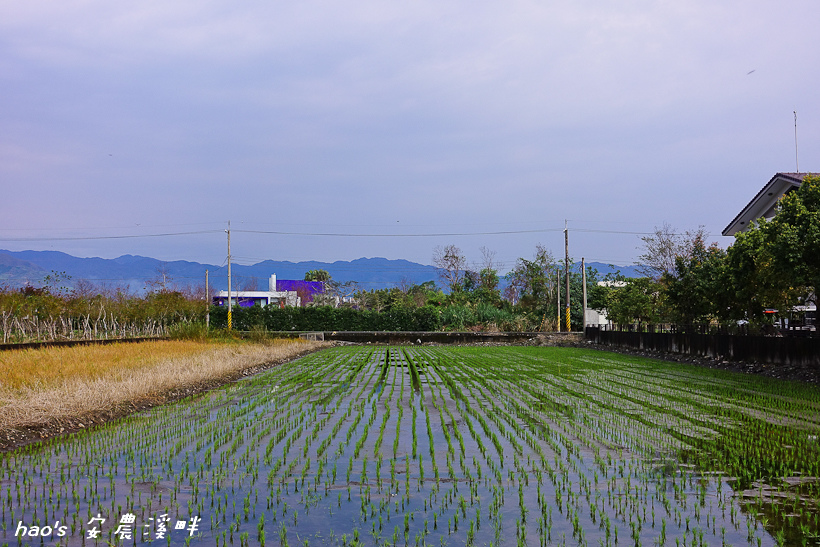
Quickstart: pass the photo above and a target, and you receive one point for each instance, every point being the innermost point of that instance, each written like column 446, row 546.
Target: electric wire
column 451, row 234
column 90, row 238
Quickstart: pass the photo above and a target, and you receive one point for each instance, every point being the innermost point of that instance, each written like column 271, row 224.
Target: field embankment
column 50, row 391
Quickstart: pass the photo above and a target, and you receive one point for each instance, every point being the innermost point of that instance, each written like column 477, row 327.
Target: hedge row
column 426, row 318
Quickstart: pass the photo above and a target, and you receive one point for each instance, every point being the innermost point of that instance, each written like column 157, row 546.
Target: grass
column 51, row 367
column 54, row 384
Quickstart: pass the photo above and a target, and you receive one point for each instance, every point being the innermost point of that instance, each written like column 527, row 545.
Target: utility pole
column 558, row 297
column 229, row 275
column 566, row 273
column 584, row 282
column 207, row 303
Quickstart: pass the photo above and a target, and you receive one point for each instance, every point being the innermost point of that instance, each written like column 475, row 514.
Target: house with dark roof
column 764, row 204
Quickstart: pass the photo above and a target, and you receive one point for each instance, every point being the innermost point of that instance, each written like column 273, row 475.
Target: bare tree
column 197, row 291
column 84, row 288
column 250, row 284
column 162, row 281
column 662, row 248
column 511, row 293
column 450, row 262
column 342, row 289
column 488, row 261
column 57, row 283
column 488, row 270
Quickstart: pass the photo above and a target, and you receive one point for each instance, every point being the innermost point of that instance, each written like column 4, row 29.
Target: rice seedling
column 529, row 444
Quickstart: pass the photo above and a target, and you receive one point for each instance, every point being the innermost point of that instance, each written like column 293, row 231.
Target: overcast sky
column 394, row 118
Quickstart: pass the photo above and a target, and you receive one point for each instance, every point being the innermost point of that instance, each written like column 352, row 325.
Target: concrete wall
column 407, row 338
column 783, row 350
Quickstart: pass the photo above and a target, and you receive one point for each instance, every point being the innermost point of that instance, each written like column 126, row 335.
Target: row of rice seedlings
column 750, row 441
column 524, row 473
column 565, row 477
column 130, row 459
column 582, row 480
column 464, row 468
column 768, row 446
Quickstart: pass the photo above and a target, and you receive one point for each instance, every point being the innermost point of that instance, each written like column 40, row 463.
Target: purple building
column 280, row 293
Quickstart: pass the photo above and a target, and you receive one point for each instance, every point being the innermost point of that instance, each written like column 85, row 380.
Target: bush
column 326, row 318
column 457, row 317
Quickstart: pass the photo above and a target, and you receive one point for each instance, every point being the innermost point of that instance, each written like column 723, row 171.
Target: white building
column 260, row 298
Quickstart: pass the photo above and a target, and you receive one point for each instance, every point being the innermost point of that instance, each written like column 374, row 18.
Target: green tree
column 317, row 275
column 639, row 301
column 487, row 290
column 478, row 287
column 695, row 290
column 775, row 263
column 794, row 236
column 410, row 296
column 751, row 281
column 533, row 282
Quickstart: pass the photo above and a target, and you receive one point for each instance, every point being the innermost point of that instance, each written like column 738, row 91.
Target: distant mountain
column 20, row 268
column 604, row 269
column 15, row 271
column 128, row 271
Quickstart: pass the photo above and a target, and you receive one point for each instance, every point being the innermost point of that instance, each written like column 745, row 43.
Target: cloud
column 470, row 112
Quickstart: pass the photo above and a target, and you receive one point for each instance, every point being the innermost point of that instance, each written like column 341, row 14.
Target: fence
column 15, row 329
column 714, row 343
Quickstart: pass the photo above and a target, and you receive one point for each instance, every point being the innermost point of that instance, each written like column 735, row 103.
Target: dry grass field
column 53, row 389
column 50, row 367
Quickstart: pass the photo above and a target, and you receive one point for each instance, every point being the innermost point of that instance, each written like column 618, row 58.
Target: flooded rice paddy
column 394, row 446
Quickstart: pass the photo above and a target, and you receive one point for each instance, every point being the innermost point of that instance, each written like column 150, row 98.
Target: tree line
column 771, row 268
column 470, row 297
column 773, row 265
column 54, row 311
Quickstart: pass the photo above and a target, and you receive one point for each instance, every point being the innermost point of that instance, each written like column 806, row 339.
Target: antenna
column 796, row 164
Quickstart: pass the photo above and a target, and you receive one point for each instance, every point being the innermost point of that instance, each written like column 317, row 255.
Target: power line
column 87, row 238
column 128, row 227
column 592, row 231
column 453, row 234
column 326, row 234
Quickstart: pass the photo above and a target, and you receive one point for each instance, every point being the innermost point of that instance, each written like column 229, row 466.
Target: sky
column 338, row 130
